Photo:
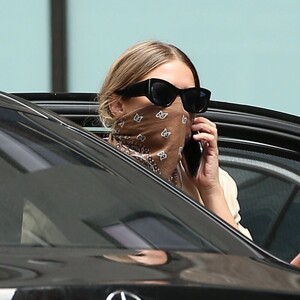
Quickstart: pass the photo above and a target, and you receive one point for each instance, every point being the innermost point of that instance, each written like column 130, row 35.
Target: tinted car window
column 286, row 237
column 268, row 188
column 59, row 187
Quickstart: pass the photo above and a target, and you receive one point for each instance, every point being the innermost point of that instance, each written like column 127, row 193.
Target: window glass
column 245, row 51
column 25, row 46
column 266, row 186
column 63, row 190
column 286, row 238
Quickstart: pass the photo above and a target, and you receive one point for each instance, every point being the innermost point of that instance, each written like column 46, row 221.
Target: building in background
column 245, row 51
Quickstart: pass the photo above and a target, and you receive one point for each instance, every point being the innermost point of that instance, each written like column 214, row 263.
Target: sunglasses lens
column 162, row 94
column 191, row 101
column 195, row 100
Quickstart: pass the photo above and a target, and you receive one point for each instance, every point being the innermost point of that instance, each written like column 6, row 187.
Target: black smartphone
column 192, row 153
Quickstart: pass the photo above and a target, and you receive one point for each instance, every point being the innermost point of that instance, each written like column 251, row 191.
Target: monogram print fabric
column 155, row 136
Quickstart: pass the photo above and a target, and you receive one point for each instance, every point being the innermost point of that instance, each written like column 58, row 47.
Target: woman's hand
column 208, row 174
column 207, row 178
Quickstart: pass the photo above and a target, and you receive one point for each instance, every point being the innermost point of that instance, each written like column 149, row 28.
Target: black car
column 81, row 220
column 260, row 148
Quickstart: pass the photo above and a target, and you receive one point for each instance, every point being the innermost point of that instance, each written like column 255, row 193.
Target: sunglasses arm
column 137, row 89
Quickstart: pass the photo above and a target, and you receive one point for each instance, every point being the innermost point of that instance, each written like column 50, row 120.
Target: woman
column 150, row 98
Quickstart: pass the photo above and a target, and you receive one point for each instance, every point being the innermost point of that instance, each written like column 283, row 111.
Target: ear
column 116, row 107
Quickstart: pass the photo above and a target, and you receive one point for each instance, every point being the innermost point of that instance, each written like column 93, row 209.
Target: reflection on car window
column 141, row 231
column 54, row 194
column 287, row 238
column 29, row 147
column 268, row 188
column 96, row 212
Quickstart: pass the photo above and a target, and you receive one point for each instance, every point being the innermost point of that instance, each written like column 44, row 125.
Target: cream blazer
column 230, row 192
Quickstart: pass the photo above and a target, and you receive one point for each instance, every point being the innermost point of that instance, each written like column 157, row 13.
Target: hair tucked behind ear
column 133, row 65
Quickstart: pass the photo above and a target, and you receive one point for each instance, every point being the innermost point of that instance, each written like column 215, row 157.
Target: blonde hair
column 133, row 65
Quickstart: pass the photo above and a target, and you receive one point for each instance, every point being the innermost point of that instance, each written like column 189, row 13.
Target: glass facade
column 245, row 51
column 25, row 46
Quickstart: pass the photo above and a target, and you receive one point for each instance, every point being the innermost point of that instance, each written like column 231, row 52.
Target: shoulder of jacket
column 225, row 178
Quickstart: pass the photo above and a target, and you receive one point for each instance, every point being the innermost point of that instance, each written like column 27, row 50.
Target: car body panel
column 98, row 272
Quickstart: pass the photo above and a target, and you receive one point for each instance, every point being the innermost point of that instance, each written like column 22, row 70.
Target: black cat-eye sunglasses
column 163, row 93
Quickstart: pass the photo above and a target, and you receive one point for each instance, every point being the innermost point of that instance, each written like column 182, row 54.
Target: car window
column 268, row 193
column 286, row 237
column 60, row 188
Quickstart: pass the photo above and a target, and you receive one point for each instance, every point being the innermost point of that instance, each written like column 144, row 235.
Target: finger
column 206, row 138
column 204, row 128
column 204, row 120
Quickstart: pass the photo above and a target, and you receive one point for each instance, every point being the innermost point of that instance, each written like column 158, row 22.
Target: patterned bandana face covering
column 155, row 136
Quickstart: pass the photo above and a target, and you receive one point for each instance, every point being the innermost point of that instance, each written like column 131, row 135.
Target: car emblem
column 122, row 295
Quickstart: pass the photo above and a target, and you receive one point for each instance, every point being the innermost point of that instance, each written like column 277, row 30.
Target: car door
column 269, row 196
